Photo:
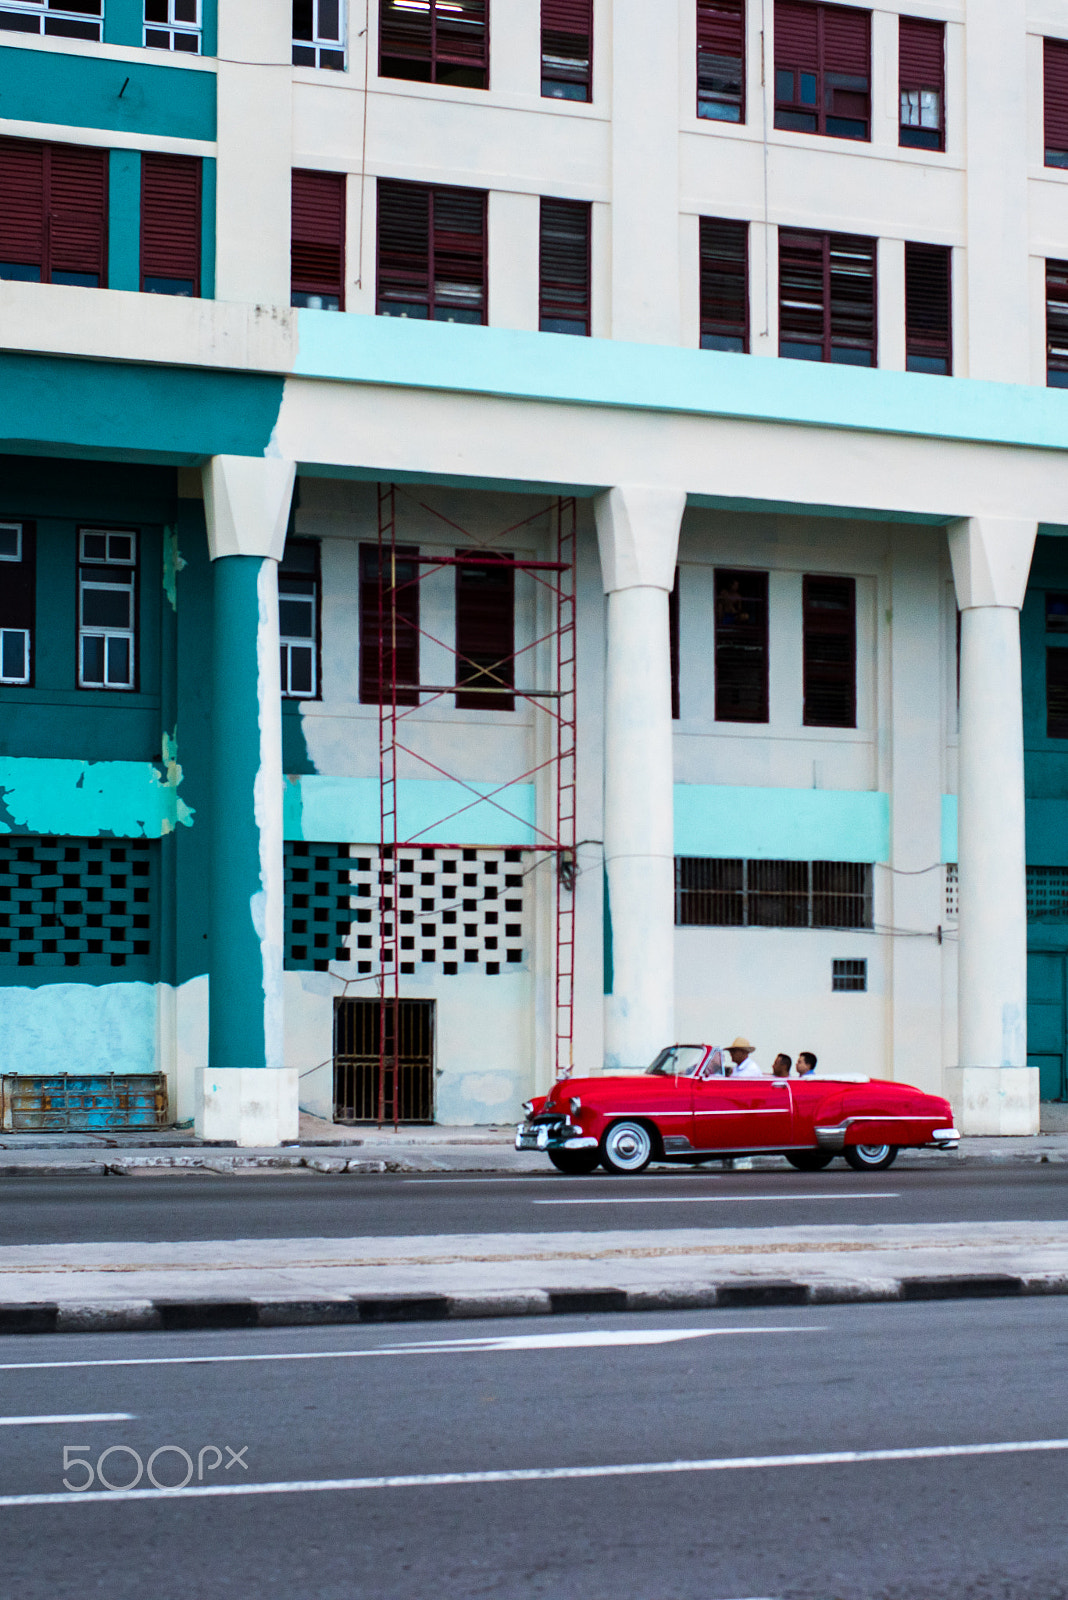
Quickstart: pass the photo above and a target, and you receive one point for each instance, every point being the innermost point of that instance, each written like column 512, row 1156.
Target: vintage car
column 686, row 1109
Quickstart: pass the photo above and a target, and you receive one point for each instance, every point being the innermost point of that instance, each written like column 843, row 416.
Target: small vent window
column 952, row 891
column 1057, row 693
column 718, row 893
column 849, row 976
column 1047, row 894
column 78, row 903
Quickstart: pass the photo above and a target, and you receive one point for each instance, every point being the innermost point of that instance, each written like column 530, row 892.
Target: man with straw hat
column 741, row 1054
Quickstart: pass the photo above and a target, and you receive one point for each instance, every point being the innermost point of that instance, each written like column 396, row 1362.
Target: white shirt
column 749, row 1068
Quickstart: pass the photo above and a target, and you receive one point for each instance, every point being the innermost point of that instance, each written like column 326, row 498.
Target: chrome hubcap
column 629, row 1146
column 872, row 1152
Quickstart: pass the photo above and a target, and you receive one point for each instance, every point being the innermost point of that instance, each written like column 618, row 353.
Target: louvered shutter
column 1056, row 87
column 721, row 26
column 796, row 36
column 724, row 284
column 721, row 59
column 927, row 308
column 389, row 627
column 461, row 33
column 485, row 634
column 802, row 290
column 567, row 48
column 1057, row 324
column 78, row 205
column 852, row 286
column 403, row 249
column 318, row 248
column 830, row 652
column 565, row 266
column 22, row 203
column 405, row 40
column 459, row 282
column 921, row 53
column 170, row 221
column 846, row 41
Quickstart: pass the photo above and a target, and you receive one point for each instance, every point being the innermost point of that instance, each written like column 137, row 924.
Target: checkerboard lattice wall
column 77, row 902
column 459, row 910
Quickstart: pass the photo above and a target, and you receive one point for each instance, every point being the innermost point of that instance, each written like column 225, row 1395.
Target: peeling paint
column 88, row 799
column 173, row 564
column 173, row 775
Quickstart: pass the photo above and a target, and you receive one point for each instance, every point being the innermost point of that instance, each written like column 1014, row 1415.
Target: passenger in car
column 744, row 1063
column 780, row 1067
column 806, row 1063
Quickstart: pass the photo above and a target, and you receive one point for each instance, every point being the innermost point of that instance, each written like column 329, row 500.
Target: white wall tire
column 626, row 1147
column 870, row 1157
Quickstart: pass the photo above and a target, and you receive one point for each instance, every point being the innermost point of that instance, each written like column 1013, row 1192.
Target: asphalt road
column 420, row 1403
column 302, row 1205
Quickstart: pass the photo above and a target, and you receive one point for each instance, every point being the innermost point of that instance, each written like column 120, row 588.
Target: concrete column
column 638, row 535
column 993, row 1089
column 246, row 1093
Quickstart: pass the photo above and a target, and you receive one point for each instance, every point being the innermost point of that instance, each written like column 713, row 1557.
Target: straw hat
column 741, row 1044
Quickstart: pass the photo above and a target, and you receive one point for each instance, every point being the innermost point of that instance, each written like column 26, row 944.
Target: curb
column 174, row 1316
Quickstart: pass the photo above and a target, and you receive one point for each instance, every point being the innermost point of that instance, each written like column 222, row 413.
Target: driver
column 745, row 1064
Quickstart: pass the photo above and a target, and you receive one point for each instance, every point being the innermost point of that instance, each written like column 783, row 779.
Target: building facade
column 528, row 509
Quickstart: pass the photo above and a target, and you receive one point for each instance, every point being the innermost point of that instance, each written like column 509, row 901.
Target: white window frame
column 16, row 529
column 173, row 28
column 318, row 43
column 24, row 633
column 107, row 633
column 309, row 642
column 44, row 10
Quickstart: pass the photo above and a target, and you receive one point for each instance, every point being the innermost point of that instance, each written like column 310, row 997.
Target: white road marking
column 704, row 1199
column 637, row 1469
column 517, row 1341
column 86, row 1416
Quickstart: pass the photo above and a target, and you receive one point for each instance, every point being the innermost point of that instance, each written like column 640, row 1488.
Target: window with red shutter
column 721, row 60
column 565, row 267
column 319, row 34
column 318, row 242
column 921, row 78
column 830, row 652
column 928, row 309
column 53, row 213
column 1057, row 324
column 56, row 19
column 392, row 603
column 1055, row 75
column 724, row 285
column 567, row 49
column 827, row 298
column 741, row 646
column 431, row 252
column 823, row 69
column 170, row 224
column 435, row 41
column 485, row 633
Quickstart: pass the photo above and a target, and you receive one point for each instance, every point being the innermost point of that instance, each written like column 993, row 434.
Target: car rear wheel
column 626, row 1147
column 576, row 1163
column 870, row 1157
column 810, row 1160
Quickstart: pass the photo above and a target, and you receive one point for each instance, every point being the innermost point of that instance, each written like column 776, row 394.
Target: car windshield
column 678, row 1061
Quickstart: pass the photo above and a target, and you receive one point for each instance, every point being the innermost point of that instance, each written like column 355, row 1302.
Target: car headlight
column 575, row 1106
column 528, row 1107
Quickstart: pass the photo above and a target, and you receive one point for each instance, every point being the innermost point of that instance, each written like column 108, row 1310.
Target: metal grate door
column 390, row 1084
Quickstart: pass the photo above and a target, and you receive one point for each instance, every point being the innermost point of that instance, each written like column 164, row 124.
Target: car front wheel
column 626, row 1147
column 810, row 1160
column 576, row 1163
column 870, row 1157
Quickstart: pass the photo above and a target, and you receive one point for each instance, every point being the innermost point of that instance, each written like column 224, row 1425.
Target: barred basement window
column 564, row 261
column 849, row 976
column 319, row 34
column 173, row 25
column 718, row 893
column 78, row 903
column 724, row 285
column 435, row 41
column 56, row 19
column 921, row 81
column 827, row 297
column 298, row 619
column 952, row 892
column 1057, row 693
column 1055, row 84
column 822, row 69
column 928, row 319
column 721, row 60
column 741, row 645
column 431, row 253
column 454, row 908
column 1056, row 324
column 567, row 49
column 829, row 627
column 1047, row 894
column 107, row 606
column 317, row 248
column 17, row 601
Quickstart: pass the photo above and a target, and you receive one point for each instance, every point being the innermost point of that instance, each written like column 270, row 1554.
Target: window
column 389, row 627
column 849, row 976
column 485, row 633
column 170, row 224
column 53, row 222
column 298, row 619
column 319, row 34
column 1056, row 324
column 1056, row 694
column 921, row 80
column 928, row 319
column 741, row 646
column 711, row 893
column 173, row 25
column 318, row 249
column 721, row 60
column 830, row 652
column 1055, row 74
column 431, row 252
column 822, row 69
column 57, row 19
column 17, row 600
column 435, row 41
column 1047, row 894
column 565, row 267
column 724, row 285
column 827, row 298
column 107, row 598
column 673, row 646
column 567, row 49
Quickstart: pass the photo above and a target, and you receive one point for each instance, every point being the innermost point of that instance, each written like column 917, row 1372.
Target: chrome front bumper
column 552, row 1133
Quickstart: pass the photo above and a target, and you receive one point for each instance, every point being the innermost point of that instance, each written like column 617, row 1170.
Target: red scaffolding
column 398, row 700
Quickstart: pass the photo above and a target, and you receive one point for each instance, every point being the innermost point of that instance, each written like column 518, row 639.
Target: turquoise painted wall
column 124, row 220
column 346, row 810
column 208, row 187
column 1045, row 759
column 85, row 799
column 781, row 824
column 88, row 92
column 192, row 644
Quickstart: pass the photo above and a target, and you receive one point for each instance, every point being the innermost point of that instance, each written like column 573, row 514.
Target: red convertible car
column 685, row 1109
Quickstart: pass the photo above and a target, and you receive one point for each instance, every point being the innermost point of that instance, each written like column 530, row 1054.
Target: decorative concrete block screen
column 1047, row 894
column 460, row 911
column 78, row 903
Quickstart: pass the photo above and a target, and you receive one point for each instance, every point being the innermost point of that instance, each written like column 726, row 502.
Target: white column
column 638, row 535
column 255, row 145
column 992, row 1088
